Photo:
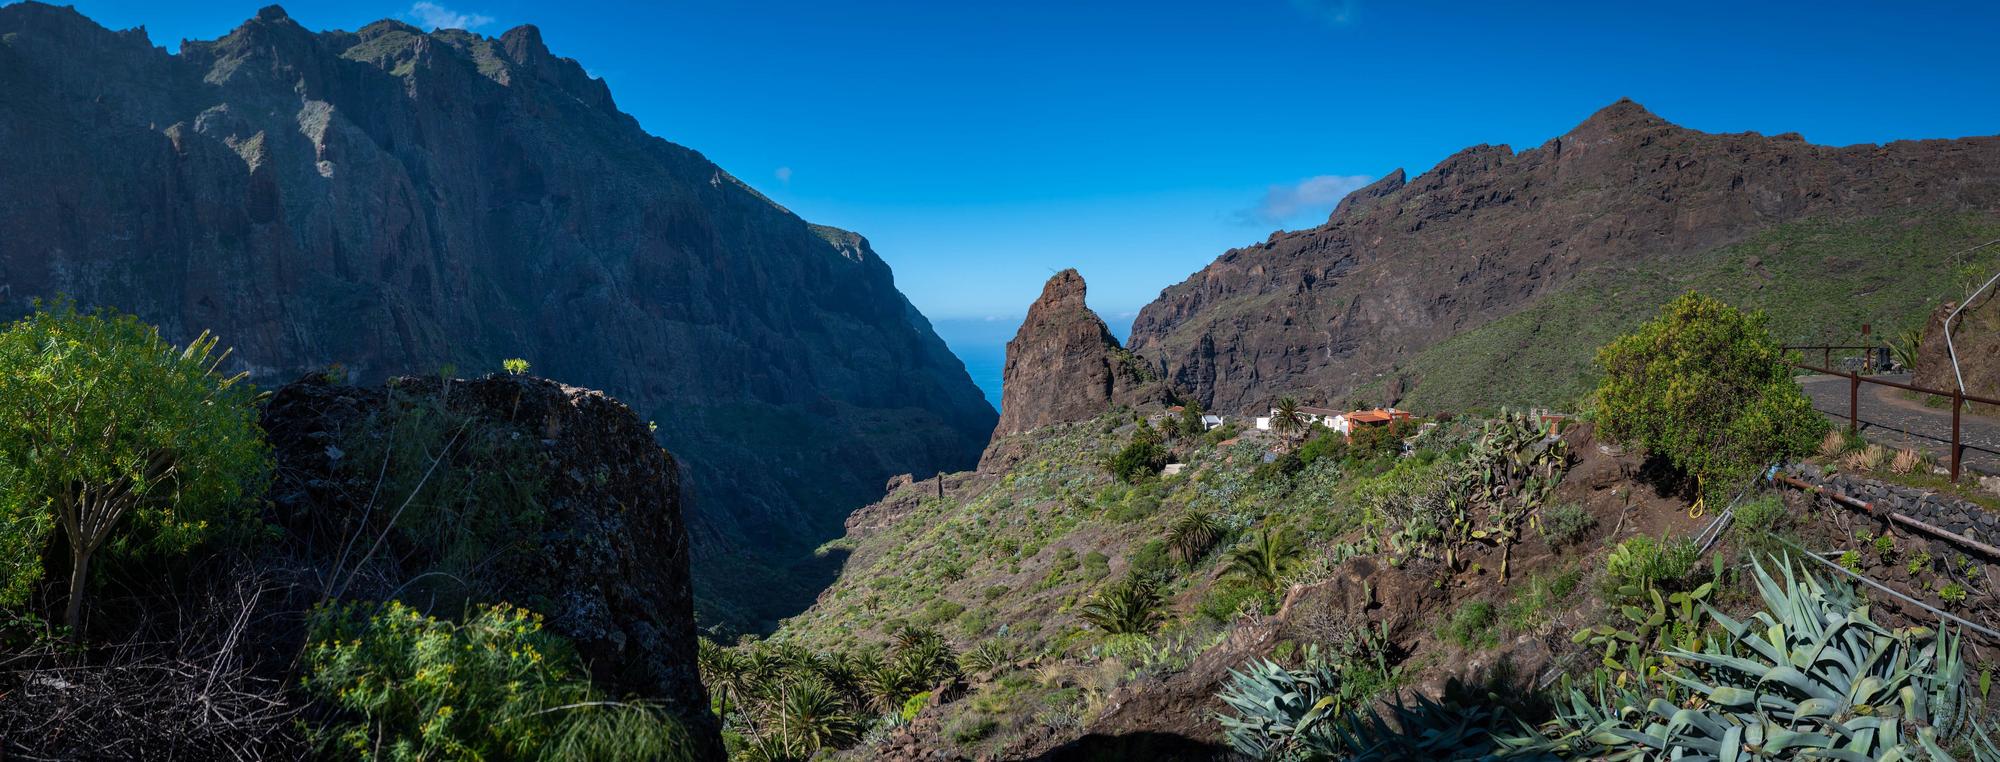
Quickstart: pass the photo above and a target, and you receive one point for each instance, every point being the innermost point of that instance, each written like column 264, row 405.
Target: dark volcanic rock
column 1403, row 264
column 608, row 563
column 1064, row 365
column 397, row 201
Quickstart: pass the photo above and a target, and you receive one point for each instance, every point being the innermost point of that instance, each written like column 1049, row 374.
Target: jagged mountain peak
column 1064, row 364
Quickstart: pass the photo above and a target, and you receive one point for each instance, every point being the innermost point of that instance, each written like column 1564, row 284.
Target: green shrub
column 1643, row 563
column 1096, row 565
column 1471, row 626
column 496, row 686
column 914, row 706
column 514, row 366
column 1329, row 445
column 1706, row 386
column 971, row 727
column 1227, row 598
column 1144, row 456
column 109, row 431
column 1565, row 524
column 938, row 612
column 1760, row 515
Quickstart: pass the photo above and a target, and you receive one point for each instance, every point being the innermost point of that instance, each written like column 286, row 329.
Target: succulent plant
column 1812, row 676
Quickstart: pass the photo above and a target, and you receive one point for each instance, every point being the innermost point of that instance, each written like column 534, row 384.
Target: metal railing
column 1855, row 380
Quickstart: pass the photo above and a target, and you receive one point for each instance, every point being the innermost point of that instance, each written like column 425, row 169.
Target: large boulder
column 504, row 488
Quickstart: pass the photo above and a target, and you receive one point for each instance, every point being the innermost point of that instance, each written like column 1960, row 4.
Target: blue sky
column 982, row 146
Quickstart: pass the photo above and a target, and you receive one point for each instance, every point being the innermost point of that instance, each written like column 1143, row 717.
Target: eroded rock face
column 399, row 201
column 605, row 559
column 1064, row 364
column 1408, row 262
column 1976, row 337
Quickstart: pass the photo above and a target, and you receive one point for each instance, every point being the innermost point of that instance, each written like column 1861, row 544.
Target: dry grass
column 1906, row 461
column 1832, row 445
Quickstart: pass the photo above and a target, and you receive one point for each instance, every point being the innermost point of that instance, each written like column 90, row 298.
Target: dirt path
column 1891, row 419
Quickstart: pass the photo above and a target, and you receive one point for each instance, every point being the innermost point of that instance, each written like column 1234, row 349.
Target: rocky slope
column 1625, row 197
column 543, row 495
column 1064, row 365
column 398, row 202
column 1976, row 337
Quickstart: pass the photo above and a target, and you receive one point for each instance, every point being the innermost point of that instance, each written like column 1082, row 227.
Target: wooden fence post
column 1853, row 402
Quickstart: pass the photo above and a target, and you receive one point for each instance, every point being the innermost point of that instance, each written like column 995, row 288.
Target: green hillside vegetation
column 1073, row 585
column 1818, row 281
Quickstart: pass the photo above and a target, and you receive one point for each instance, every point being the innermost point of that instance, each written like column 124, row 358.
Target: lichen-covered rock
column 603, row 553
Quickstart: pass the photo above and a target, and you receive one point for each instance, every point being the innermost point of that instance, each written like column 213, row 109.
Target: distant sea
column 981, row 343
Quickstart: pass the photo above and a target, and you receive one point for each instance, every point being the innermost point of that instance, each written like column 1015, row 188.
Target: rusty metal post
column 1957, row 450
column 1826, row 358
column 1853, row 403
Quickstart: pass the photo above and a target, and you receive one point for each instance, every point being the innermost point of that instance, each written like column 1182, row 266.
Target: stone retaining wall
column 1944, row 512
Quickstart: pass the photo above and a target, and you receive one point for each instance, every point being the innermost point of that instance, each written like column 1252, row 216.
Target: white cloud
column 430, row 15
column 1334, row 12
column 784, row 175
column 1316, row 195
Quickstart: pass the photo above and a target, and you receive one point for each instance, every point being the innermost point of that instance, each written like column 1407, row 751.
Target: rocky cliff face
column 1976, row 337
column 398, row 202
column 546, row 496
column 1064, row 365
column 1407, row 262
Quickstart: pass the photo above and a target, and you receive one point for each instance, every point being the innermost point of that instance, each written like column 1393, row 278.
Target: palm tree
column 811, row 715
column 1288, row 420
column 725, row 672
column 1129, row 607
column 1266, row 560
column 1192, row 535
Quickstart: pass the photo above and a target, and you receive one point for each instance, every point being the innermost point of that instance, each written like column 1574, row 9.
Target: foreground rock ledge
column 610, row 569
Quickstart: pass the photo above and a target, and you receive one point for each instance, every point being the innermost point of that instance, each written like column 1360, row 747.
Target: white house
column 1211, row 422
column 1312, row 415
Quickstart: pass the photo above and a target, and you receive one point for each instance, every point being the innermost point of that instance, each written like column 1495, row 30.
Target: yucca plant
column 1132, row 606
column 1812, row 676
column 1192, row 535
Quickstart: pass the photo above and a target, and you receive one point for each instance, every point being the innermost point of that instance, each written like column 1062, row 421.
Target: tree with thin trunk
column 105, row 425
column 1289, row 420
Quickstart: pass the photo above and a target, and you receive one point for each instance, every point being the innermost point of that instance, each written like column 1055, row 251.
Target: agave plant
column 1192, row 535
column 1282, row 714
column 989, row 657
column 1812, row 676
column 1434, row 730
column 1128, row 607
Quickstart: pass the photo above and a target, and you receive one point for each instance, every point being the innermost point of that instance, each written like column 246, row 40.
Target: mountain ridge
column 1410, row 261
column 396, row 201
